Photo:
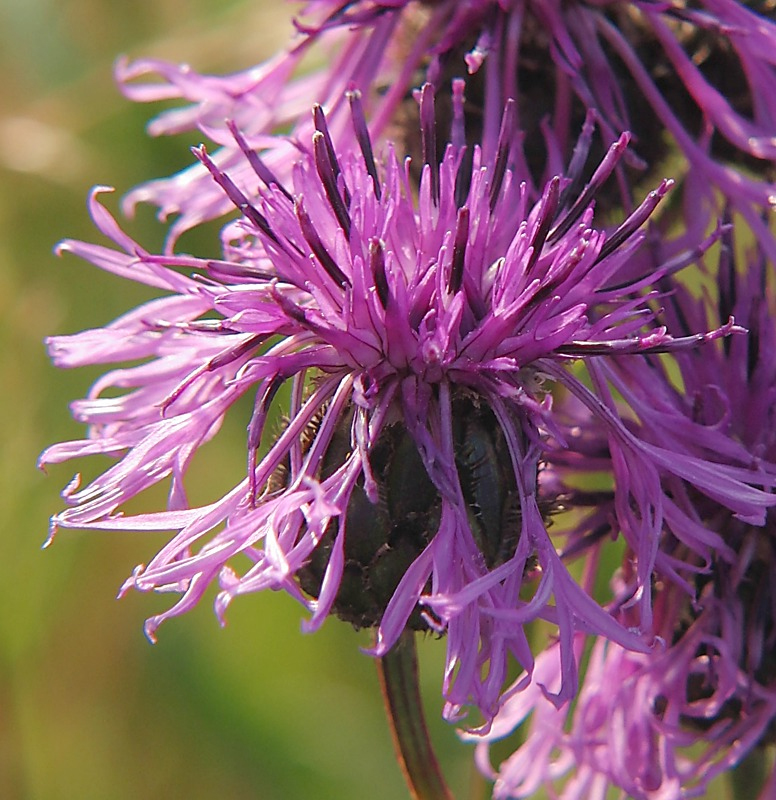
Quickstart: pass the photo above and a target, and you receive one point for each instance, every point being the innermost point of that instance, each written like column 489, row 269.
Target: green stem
column 398, row 671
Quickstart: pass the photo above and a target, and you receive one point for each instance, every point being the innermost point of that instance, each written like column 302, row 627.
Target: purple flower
column 421, row 325
column 695, row 77
column 665, row 723
column 633, row 728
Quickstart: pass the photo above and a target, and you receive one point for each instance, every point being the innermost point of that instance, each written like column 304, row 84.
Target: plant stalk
column 398, row 670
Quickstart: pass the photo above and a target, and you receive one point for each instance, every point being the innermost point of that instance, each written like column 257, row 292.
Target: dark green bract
column 382, row 540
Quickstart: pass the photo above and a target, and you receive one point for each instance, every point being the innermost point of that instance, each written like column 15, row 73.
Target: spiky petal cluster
column 633, row 733
column 699, row 75
column 666, row 723
column 383, row 303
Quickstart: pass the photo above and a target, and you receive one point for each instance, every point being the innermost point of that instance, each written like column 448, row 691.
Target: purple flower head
column 420, row 326
column 672, row 719
column 697, row 77
column 632, row 729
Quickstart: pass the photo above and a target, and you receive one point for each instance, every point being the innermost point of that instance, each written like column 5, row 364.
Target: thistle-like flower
column 666, row 723
column 421, row 325
column 693, row 77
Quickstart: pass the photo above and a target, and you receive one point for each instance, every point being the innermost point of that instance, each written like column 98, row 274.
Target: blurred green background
column 88, row 708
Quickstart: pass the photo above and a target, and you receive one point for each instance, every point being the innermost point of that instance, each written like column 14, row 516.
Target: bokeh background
column 88, row 708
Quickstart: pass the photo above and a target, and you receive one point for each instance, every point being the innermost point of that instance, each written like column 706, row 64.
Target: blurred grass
column 88, row 708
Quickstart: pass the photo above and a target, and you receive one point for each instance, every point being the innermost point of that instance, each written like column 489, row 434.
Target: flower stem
column 398, row 671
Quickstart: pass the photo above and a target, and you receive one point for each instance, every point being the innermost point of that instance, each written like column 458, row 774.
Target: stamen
column 575, row 171
column 362, row 136
column 289, row 307
column 656, row 342
column 316, row 245
column 650, row 276
column 235, row 195
column 228, row 356
column 319, row 119
column 428, row 137
column 377, row 265
column 336, row 17
column 259, row 167
column 459, row 250
column 550, row 203
column 505, row 137
column 605, row 169
column 230, row 271
column 329, row 181
column 463, row 178
column 635, row 220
